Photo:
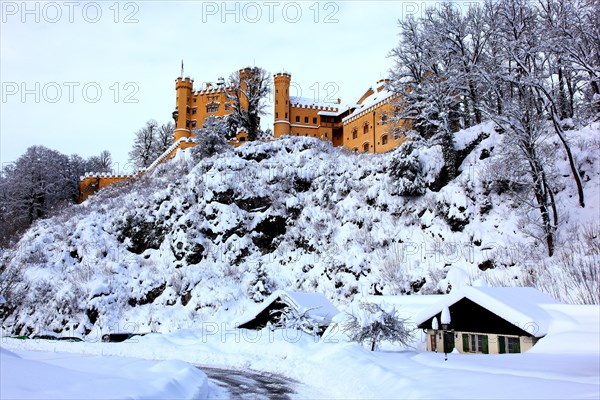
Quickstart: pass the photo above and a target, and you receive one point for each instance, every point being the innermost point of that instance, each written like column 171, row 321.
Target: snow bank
column 39, row 375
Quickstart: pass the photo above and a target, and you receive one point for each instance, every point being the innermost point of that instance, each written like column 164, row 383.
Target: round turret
column 282, row 82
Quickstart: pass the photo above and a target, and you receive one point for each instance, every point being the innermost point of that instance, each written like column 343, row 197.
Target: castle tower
column 182, row 111
column 282, row 104
column 245, row 73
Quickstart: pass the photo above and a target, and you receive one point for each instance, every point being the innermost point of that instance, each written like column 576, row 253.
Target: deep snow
column 564, row 364
column 192, row 242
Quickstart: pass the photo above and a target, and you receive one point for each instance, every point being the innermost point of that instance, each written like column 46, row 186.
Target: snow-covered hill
column 192, row 242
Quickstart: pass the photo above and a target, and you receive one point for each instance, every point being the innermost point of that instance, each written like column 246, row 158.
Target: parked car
column 45, row 337
column 70, row 339
column 120, row 337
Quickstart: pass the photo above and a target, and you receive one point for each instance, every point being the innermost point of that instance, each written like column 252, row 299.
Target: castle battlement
column 109, row 175
column 315, row 107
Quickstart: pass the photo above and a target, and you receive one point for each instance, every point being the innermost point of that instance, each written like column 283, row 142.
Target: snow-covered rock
column 191, row 241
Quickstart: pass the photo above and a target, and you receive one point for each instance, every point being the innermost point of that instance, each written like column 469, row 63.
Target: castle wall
column 378, row 136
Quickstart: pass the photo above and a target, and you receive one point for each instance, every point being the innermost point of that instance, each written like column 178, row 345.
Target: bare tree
column 164, row 138
column 143, row 152
column 249, row 89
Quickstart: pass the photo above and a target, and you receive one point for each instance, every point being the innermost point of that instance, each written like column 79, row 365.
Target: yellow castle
column 364, row 126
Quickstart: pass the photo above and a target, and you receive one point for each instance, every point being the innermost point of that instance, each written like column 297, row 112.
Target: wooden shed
column 315, row 305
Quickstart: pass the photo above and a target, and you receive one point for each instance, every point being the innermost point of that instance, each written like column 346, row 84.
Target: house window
column 366, row 128
column 473, row 343
column 508, row 344
column 193, row 123
column 355, row 150
column 384, row 140
column 306, row 120
column 354, row 133
column 366, row 147
column 297, row 118
column 314, row 121
column 212, row 108
column 193, row 111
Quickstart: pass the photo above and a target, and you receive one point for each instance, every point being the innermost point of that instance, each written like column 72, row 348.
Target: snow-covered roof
column 309, row 102
column 381, row 93
column 521, row 306
column 407, row 306
column 320, row 308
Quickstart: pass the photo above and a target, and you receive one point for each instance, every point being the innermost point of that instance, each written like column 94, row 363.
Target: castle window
column 306, row 120
column 276, row 115
column 314, row 121
column 276, row 102
column 227, row 106
column 366, row 147
column 193, row 111
column 285, row 115
column 193, row 123
column 366, row 128
column 242, row 139
column 354, row 133
column 297, row 118
column 384, row 140
column 194, row 100
column 212, row 108
column 384, row 119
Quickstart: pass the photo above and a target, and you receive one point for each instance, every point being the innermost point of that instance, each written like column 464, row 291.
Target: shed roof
column 518, row 305
column 319, row 307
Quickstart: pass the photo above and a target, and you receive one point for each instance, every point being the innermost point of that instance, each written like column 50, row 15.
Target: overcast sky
column 82, row 77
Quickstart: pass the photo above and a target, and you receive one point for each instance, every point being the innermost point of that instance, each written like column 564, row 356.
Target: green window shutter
column 484, row 344
column 465, row 342
column 517, row 345
column 501, row 344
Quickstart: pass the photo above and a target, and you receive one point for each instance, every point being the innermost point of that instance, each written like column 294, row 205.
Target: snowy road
column 235, row 384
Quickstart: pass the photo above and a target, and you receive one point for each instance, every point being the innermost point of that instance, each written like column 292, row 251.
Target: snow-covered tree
column 38, row 183
column 299, row 319
column 261, row 285
column 373, row 324
column 406, row 168
column 250, row 87
column 211, row 138
column 428, row 83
